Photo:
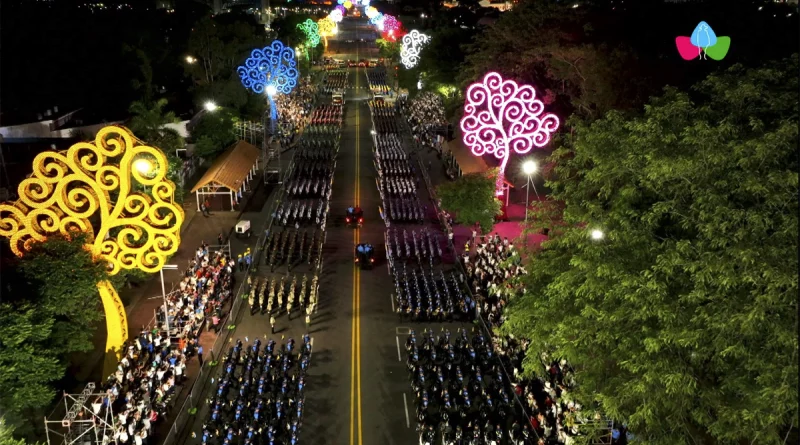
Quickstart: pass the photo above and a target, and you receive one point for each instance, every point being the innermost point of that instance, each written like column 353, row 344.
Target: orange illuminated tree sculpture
column 326, row 28
column 89, row 188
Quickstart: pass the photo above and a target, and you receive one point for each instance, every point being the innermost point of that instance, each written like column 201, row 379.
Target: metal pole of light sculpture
column 412, row 45
column 270, row 71
column 71, row 192
column 500, row 116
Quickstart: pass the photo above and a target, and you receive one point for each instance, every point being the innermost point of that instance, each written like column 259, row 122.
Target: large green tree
column 388, row 49
column 29, row 362
column 214, row 132
column 50, row 308
column 682, row 320
column 7, row 434
column 64, row 279
column 555, row 47
column 470, row 198
column 148, row 122
column 219, row 45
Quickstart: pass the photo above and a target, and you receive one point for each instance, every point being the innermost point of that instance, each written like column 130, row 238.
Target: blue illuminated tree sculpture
column 270, row 71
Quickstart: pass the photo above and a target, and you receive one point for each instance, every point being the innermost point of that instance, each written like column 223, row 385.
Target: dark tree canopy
column 471, row 199
column 213, row 133
column 600, row 57
column 50, row 308
column 682, row 321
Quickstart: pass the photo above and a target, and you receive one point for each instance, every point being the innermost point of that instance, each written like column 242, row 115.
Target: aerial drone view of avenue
column 410, row 222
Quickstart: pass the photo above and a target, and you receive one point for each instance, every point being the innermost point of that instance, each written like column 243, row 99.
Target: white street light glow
column 529, row 167
column 210, row 106
column 143, row 166
column 597, row 234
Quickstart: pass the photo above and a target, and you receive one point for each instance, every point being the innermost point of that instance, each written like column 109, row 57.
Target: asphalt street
column 358, row 389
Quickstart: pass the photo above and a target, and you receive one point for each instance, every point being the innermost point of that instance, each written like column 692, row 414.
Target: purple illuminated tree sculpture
column 500, row 116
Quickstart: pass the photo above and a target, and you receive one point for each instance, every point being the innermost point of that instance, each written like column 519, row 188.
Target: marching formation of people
column 378, row 80
column 425, row 294
column 259, row 396
column 328, row 115
column 205, row 289
column 274, row 295
column 308, row 189
column 425, row 248
column 397, row 181
column 292, row 247
column 384, row 117
column 425, row 115
column 143, row 385
column 335, row 80
column 462, row 394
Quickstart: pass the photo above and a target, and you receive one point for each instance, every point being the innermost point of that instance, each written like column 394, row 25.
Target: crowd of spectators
column 491, row 264
column 148, row 377
column 426, row 117
column 206, row 287
column 144, row 384
column 293, row 109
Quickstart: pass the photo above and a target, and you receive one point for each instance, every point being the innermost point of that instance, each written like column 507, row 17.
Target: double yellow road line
column 355, row 369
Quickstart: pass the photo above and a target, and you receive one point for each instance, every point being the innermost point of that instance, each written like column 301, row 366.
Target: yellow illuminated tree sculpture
column 90, row 188
column 327, row 28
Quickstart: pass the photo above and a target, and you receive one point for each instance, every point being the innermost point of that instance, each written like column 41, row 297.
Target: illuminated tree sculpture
column 390, row 24
column 336, row 15
column 326, row 28
column 412, row 45
column 347, row 4
column 89, row 189
column 500, row 116
column 371, row 13
column 272, row 70
column 311, row 30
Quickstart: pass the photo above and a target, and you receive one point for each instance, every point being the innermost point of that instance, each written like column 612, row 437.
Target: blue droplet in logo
column 703, row 36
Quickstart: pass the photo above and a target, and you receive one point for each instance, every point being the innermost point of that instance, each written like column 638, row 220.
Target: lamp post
column 529, row 167
column 597, row 234
column 210, row 106
column 164, row 296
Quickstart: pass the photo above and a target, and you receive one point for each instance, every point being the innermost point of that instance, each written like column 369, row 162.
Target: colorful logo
column 703, row 42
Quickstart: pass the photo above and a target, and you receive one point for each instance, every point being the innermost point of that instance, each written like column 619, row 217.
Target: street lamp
column 597, row 234
column 271, row 90
column 210, row 106
column 164, row 296
column 190, row 60
column 529, row 167
column 143, row 166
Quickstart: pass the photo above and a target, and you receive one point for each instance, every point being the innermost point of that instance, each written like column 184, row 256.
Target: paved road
column 358, row 390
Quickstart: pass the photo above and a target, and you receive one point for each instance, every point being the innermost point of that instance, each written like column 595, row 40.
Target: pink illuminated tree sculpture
column 500, row 116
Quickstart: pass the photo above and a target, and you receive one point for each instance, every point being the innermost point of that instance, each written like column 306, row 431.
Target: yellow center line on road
column 355, row 375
